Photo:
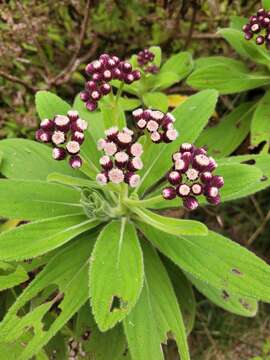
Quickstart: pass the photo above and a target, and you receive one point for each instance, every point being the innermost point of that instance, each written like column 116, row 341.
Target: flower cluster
column 102, row 71
column 191, row 176
column 145, row 59
column 66, row 134
column 122, row 157
column 258, row 24
column 159, row 125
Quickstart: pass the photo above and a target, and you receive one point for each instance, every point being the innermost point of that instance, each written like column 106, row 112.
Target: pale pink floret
column 124, row 138
column 141, row 123
column 73, row 147
column 170, row 116
column 184, row 190
column 73, row 114
column 61, row 120
column 111, row 131
column 58, row 137
column 136, row 149
column 192, row 174
column 152, row 126
column 104, row 160
column 128, row 131
column 202, row 160
column 116, row 176
column 157, row 115
column 134, row 180
column 179, row 164
column 96, row 64
column 137, row 113
column 110, row 148
column 172, row 134
column 101, row 179
column 121, row 157
column 213, row 191
column 81, row 124
column 137, row 163
column 101, row 144
column 155, row 136
column 196, row 189
column 177, row 156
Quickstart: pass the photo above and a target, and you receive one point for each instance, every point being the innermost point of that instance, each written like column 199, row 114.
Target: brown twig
column 192, row 24
column 66, row 73
column 259, row 229
column 17, row 80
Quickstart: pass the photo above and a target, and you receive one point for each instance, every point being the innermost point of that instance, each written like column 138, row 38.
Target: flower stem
column 147, row 203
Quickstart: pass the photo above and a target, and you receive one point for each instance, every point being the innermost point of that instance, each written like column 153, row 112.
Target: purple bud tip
column 169, row 193
column 75, row 162
column 190, row 203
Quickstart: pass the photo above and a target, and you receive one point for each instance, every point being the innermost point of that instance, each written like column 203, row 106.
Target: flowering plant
column 91, row 245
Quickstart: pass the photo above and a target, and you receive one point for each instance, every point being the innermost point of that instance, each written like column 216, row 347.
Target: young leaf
column 156, row 100
column 29, row 160
column 228, row 301
column 65, row 271
column 11, row 275
column 247, row 49
column 169, row 224
column 155, row 315
column 217, row 261
column 224, row 138
column 158, row 54
column 260, row 125
column 39, row 237
column 128, row 104
column 36, row 200
column 112, row 113
column 235, row 80
column 181, row 64
column 117, row 262
column 191, row 117
column 160, row 81
column 49, row 105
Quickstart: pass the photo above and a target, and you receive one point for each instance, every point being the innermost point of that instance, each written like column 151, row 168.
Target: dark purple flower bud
column 97, row 77
column 84, row 95
column 259, row 40
column 217, row 181
column 186, row 147
column 121, row 159
column 214, row 200
column 62, row 123
column 73, row 147
column 102, row 178
column 91, row 105
column 136, row 74
column 190, row 203
column 59, row 153
column 95, row 95
column 105, row 89
column 248, row 35
column 79, row 125
column 255, row 28
column 183, row 190
column 73, row 115
column 112, row 133
column 91, row 86
column 253, row 19
column 132, row 179
column 107, row 75
column 174, row 177
column 78, row 136
column 152, row 69
column 44, row 136
column 116, row 59
column 138, row 114
column 201, row 162
column 212, row 165
column 75, row 162
column 123, row 139
column 47, row 125
column 206, row 177
column 265, row 22
column 169, row 193
column 261, row 12
column 246, row 28
column 129, row 78
column 106, row 162
column 126, row 66
column 211, row 191
column 117, row 74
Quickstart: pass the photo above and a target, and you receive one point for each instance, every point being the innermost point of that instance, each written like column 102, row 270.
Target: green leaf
column 228, row 301
column 161, row 81
column 184, row 293
column 39, row 237
column 158, row 54
column 117, row 262
column 156, row 100
column 112, row 113
column 260, row 125
column 58, row 281
column 217, row 261
column 28, row 160
column 234, row 81
column 36, row 200
column 11, row 275
column 171, row 225
column 181, row 64
column 247, row 49
column 266, row 4
column 155, row 315
column 49, row 105
column 100, row 346
column 128, row 104
column 225, row 137
column 237, row 22
column 207, row 61
column 191, row 117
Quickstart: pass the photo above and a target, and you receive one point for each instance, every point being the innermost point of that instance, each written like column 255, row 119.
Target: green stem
column 119, row 92
column 143, row 203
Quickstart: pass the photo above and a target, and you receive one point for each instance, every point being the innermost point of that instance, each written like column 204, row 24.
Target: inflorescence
column 259, row 25
column 192, row 176
column 145, row 60
column 121, row 159
column 66, row 134
column 102, row 71
column 159, row 125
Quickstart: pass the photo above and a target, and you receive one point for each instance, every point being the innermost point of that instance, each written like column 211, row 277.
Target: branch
column 17, row 80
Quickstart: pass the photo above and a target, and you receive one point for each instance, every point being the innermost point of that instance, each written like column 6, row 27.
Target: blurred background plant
column 46, row 45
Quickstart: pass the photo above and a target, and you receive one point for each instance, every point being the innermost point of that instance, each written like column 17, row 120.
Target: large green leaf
column 247, row 49
column 217, row 261
column 11, row 275
column 39, row 237
column 222, row 139
column 266, row 4
column 36, row 200
column 191, row 117
column 58, row 284
column 171, row 225
column 260, row 125
column 155, row 315
column 156, row 100
column 49, row 105
column 112, row 113
column 116, row 273
column 180, row 64
column 235, row 80
column 29, row 160
column 220, row 60
column 158, row 54
column 228, row 301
